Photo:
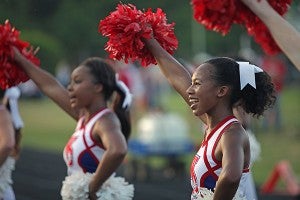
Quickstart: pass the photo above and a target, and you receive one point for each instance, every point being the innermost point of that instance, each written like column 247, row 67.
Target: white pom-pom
column 206, row 194
column 203, row 194
column 75, row 187
column 5, row 174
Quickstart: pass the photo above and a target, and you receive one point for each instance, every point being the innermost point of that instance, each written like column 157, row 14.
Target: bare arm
column 7, row 136
column 46, row 83
column 176, row 74
column 178, row 77
column 109, row 132
column 285, row 35
column 232, row 147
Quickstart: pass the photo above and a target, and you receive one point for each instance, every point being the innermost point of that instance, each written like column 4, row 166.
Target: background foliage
column 67, row 29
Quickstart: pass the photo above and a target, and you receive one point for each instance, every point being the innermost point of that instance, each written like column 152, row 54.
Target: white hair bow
column 13, row 94
column 128, row 96
column 247, row 74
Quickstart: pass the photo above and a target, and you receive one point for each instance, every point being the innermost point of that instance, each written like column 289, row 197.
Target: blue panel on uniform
column 87, row 162
column 210, row 183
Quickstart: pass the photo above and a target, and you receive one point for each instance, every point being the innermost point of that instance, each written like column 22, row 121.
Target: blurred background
column 165, row 133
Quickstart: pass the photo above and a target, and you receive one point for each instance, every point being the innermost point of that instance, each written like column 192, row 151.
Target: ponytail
column 121, row 106
column 250, row 85
column 256, row 101
column 104, row 74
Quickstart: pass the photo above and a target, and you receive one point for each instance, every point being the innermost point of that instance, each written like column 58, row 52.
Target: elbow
column 7, row 148
column 232, row 179
column 119, row 152
column 11, row 145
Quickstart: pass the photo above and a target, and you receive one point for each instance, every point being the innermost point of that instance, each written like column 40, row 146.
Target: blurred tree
column 68, row 29
column 50, row 48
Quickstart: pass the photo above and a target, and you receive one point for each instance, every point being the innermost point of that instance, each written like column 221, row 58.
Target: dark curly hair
column 254, row 101
column 104, row 74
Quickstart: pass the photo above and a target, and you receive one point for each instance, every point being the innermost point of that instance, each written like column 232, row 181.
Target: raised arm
column 178, row 77
column 285, row 35
column 46, row 83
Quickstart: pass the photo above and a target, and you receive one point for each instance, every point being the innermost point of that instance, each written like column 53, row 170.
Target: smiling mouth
column 193, row 103
column 72, row 99
column 193, row 100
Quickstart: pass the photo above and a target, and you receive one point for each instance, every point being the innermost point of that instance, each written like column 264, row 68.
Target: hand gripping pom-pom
column 162, row 32
column 10, row 73
column 126, row 29
column 219, row 15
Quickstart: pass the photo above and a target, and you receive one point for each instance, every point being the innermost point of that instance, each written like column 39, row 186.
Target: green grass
column 275, row 148
column 47, row 127
column 282, row 144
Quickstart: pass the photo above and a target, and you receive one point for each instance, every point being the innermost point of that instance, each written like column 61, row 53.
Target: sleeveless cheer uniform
column 81, row 152
column 205, row 168
column 82, row 156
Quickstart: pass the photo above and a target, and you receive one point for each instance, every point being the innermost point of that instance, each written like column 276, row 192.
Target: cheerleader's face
column 203, row 91
column 82, row 90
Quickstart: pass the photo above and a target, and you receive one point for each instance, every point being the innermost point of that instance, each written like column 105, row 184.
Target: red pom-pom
column 10, row 73
column 219, row 15
column 216, row 15
column 126, row 29
column 162, row 32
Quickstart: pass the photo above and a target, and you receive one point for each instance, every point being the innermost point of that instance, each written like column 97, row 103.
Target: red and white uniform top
column 82, row 153
column 205, row 168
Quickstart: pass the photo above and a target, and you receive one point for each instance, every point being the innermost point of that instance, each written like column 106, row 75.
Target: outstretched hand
column 92, row 192
column 17, row 55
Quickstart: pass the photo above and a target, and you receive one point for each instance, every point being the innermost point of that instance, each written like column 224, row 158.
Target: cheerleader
column 220, row 168
column 99, row 143
column 10, row 139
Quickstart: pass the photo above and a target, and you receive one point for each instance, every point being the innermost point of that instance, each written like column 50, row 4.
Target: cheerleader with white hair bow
column 221, row 166
column 11, row 124
column 100, row 103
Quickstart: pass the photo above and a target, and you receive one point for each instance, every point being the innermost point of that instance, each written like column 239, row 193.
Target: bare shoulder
column 109, row 121
column 110, row 116
column 235, row 133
